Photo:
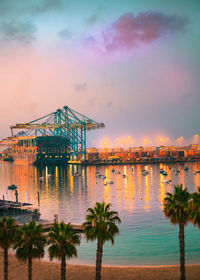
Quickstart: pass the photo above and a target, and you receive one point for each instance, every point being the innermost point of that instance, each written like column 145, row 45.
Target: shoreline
column 106, row 163
column 150, row 161
column 46, row 260
column 47, row 270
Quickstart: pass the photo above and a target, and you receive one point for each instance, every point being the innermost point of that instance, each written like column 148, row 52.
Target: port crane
column 64, row 122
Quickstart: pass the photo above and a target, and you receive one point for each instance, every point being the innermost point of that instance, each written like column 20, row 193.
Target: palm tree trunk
column 6, row 264
column 182, row 251
column 29, row 268
column 63, row 268
column 99, row 260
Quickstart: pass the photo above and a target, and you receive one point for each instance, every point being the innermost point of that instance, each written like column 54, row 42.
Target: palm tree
column 101, row 224
column 63, row 240
column 30, row 243
column 8, row 228
column 176, row 208
column 195, row 208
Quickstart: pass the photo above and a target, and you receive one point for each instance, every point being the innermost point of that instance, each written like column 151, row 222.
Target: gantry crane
column 64, row 122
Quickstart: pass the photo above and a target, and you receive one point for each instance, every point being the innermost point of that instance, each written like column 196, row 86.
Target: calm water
column 146, row 236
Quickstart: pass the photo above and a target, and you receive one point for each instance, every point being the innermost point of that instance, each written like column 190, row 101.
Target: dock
column 20, row 211
column 75, row 227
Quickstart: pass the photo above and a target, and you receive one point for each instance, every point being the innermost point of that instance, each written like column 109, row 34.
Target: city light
column 196, row 138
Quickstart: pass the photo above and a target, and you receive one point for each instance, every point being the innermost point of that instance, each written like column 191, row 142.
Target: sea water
column 146, row 236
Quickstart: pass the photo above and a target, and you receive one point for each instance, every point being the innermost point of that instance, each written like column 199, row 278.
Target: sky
column 132, row 64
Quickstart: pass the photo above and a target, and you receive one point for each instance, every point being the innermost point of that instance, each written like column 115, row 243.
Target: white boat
column 176, row 172
column 194, row 173
column 173, row 169
column 166, row 181
column 109, row 182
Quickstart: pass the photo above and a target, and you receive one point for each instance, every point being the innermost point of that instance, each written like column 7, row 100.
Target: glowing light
column 146, row 141
column 160, row 140
column 196, row 138
column 180, row 140
column 105, row 143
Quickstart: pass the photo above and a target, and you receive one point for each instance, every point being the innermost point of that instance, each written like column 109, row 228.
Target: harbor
column 138, row 198
column 99, row 140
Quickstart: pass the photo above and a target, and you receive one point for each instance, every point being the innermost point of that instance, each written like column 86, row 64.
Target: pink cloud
column 131, row 31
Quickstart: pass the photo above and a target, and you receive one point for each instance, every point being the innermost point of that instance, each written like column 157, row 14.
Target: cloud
column 131, row 31
column 65, row 34
column 80, row 87
column 45, row 6
column 22, row 32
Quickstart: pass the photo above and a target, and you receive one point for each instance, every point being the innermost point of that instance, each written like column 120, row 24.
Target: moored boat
column 12, row 187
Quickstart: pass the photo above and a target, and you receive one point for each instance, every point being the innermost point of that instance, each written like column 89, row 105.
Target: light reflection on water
column 146, row 236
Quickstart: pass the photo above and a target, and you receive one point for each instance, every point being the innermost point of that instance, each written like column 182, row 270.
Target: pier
column 21, row 212
column 47, row 226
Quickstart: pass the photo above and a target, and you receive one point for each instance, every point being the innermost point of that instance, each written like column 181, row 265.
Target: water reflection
column 146, row 195
column 68, row 191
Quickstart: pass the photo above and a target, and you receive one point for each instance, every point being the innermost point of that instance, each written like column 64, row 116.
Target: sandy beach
column 51, row 271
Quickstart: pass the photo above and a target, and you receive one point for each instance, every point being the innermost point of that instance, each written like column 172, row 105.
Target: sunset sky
column 132, row 64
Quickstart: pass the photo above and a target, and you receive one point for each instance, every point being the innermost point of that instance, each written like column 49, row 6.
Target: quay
column 21, row 212
column 47, row 226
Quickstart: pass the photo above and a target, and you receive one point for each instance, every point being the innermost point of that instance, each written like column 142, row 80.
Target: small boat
column 8, row 158
column 163, row 172
column 173, row 169
column 194, row 173
column 113, row 170
column 109, row 182
column 176, row 172
column 124, row 175
column 186, row 168
column 12, row 187
column 76, row 174
column 166, row 181
column 144, row 172
column 118, row 172
column 198, row 171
